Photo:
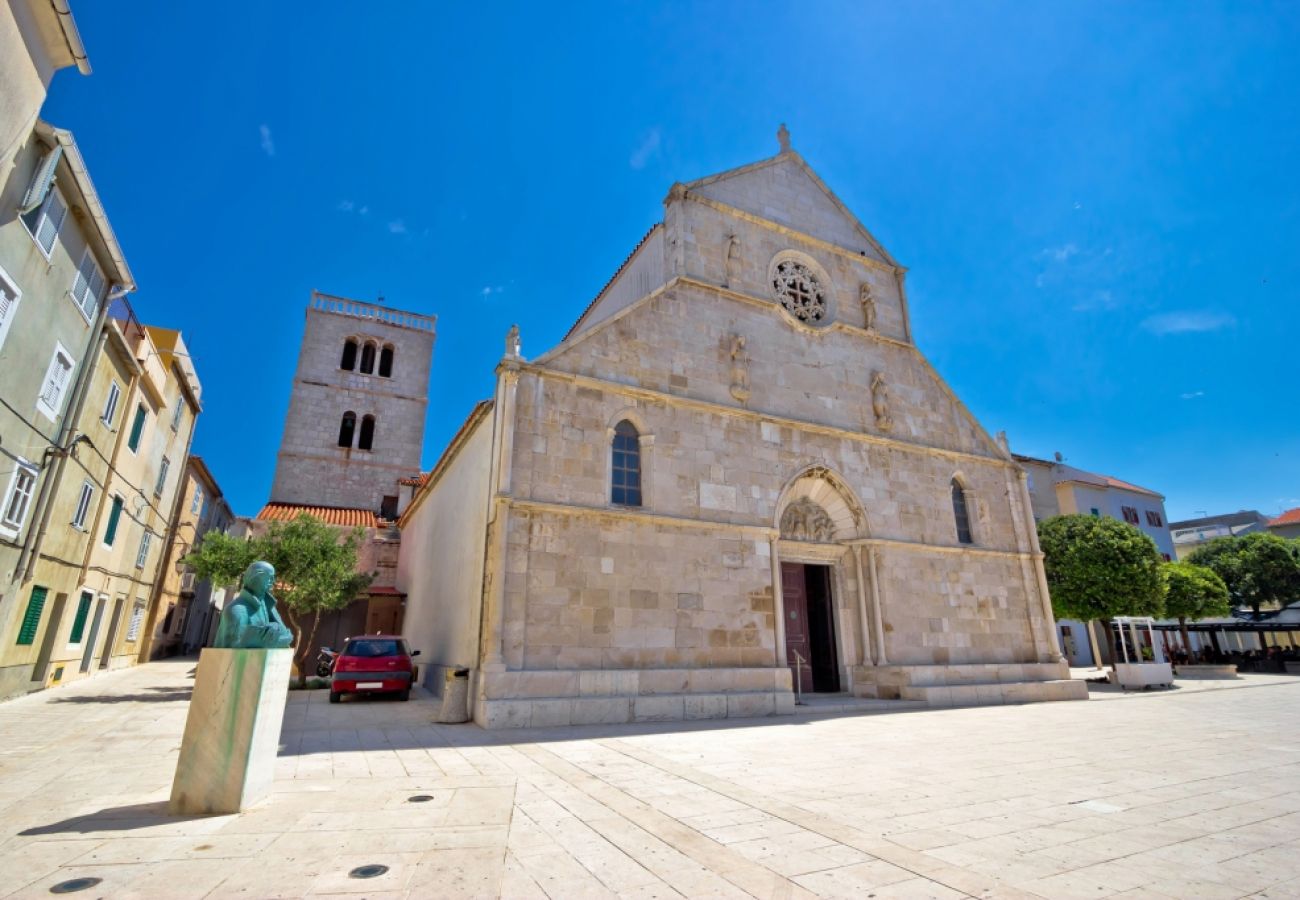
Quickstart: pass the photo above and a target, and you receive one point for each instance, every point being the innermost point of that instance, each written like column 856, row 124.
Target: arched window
column 367, row 438
column 625, row 468
column 386, row 361
column 959, row 513
column 349, row 361
column 346, row 427
column 368, row 358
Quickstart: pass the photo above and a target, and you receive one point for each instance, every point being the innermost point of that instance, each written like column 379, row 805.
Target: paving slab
column 1191, row 792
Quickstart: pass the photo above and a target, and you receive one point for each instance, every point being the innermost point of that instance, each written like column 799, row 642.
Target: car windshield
column 370, row 648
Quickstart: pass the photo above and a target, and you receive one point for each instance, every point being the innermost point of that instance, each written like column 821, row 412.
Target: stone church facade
column 734, row 478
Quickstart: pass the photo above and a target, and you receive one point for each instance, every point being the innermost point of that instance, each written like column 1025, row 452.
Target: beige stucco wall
column 440, row 567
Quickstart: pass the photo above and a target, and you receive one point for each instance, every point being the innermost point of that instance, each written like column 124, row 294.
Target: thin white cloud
column 1061, row 253
column 648, row 149
column 268, row 145
column 1192, row 395
column 1187, row 321
column 397, row 226
column 346, row 206
column 1097, row 300
column 488, row 290
column 365, row 210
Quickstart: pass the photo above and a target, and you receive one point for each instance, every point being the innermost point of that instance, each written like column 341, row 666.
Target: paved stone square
column 1190, row 793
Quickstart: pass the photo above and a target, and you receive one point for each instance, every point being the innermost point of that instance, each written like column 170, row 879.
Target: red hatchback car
column 374, row 663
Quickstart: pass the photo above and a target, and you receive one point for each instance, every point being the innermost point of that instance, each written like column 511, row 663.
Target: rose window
column 799, row 291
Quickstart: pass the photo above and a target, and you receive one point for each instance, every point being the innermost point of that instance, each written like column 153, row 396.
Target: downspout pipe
column 49, row 486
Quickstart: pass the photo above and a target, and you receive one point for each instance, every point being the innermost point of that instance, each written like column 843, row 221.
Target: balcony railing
column 356, row 309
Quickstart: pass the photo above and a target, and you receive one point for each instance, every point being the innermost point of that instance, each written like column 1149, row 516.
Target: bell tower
column 356, row 414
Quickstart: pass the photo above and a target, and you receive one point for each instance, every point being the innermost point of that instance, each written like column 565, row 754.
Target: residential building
column 736, row 476
column 1057, row 489
column 188, row 608
column 58, row 262
column 83, row 590
column 1286, row 525
column 37, row 39
column 1190, row 534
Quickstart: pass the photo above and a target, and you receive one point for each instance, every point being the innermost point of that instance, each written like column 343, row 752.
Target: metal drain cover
column 371, row 871
column 420, row 798
column 72, row 885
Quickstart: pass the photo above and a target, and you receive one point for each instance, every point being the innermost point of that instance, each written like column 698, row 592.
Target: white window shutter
column 42, row 180
column 51, row 221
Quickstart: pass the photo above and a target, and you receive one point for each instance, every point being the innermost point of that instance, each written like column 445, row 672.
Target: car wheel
column 404, row 695
column 335, row 696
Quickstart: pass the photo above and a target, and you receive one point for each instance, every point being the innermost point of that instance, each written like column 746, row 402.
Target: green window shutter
column 79, row 623
column 32, row 618
column 114, row 516
column 137, row 428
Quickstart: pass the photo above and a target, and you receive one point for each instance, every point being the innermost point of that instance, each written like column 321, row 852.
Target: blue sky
column 1099, row 203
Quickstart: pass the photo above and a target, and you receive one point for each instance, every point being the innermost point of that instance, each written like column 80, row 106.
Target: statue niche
column 804, row 520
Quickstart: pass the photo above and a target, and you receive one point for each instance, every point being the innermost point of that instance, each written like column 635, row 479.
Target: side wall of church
column 440, row 567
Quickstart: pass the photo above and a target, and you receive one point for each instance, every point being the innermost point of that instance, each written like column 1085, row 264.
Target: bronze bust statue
column 250, row 621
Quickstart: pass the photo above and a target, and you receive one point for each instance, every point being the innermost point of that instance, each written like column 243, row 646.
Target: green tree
column 1099, row 568
column 1259, row 568
column 315, row 569
column 1193, row 592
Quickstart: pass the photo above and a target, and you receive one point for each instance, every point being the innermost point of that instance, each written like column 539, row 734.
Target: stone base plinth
column 552, row 697
column 977, row 684
column 232, row 733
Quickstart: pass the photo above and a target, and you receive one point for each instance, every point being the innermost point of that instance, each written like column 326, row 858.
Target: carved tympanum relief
column 880, row 401
column 739, row 368
column 799, row 290
column 804, row 520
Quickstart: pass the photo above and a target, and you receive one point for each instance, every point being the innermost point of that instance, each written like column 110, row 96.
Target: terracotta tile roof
column 1290, row 517
column 1126, row 486
column 414, row 480
column 384, row 590
column 331, row 515
column 617, row 272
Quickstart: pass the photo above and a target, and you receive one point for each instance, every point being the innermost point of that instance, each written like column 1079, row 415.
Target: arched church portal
column 816, row 516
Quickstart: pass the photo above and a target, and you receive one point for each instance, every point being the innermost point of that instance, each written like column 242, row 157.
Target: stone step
column 995, row 694
column 817, row 705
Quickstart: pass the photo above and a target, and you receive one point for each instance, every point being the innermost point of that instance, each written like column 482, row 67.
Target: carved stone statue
column 804, row 520
column 783, row 138
column 868, row 301
column 880, row 401
column 250, row 622
column 732, row 274
column 739, row 368
column 512, row 342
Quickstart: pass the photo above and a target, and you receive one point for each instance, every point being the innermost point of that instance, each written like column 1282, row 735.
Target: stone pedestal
column 232, row 734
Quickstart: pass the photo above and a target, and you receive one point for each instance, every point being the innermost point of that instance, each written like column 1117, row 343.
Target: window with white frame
column 142, row 556
column 176, row 414
column 9, row 297
column 110, row 405
column 18, row 496
column 57, row 378
column 83, row 505
column 43, row 222
column 162, row 477
column 88, row 285
column 197, row 503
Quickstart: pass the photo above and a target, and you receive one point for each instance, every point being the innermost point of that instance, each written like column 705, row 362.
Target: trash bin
column 455, row 697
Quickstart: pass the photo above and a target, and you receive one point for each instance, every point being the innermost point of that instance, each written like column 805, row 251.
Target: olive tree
column 315, row 569
column 1099, row 568
column 1193, row 592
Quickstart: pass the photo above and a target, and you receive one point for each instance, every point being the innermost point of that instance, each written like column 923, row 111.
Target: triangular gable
column 785, row 189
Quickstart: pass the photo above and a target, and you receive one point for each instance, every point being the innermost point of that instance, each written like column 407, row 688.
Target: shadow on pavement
column 117, row 818
column 160, row 695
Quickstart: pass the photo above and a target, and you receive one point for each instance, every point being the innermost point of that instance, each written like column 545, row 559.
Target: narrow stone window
column 368, row 359
column 346, row 428
column 386, row 361
column 349, row 361
column 959, row 513
column 625, row 468
column 367, row 438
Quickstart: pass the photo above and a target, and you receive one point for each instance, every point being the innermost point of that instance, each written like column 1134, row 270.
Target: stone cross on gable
column 783, row 138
